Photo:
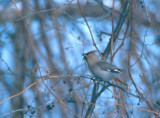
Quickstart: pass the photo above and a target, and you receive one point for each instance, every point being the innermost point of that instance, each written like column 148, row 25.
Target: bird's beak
column 84, row 56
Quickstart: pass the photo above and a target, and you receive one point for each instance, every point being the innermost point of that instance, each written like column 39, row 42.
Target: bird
column 101, row 69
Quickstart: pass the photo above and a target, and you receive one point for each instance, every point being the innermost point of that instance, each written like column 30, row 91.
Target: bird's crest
column 90, row 52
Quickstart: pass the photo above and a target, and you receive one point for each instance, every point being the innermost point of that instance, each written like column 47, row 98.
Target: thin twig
column 112, row 30
column 89, row 30
column 38, row 62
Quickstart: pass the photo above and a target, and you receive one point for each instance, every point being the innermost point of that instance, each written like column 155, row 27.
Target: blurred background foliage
column 60, row 36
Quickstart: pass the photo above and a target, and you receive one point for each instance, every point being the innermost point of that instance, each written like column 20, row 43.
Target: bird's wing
column 108, row 67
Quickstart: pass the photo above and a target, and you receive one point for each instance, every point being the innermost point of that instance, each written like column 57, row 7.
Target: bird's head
column 90, row 56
